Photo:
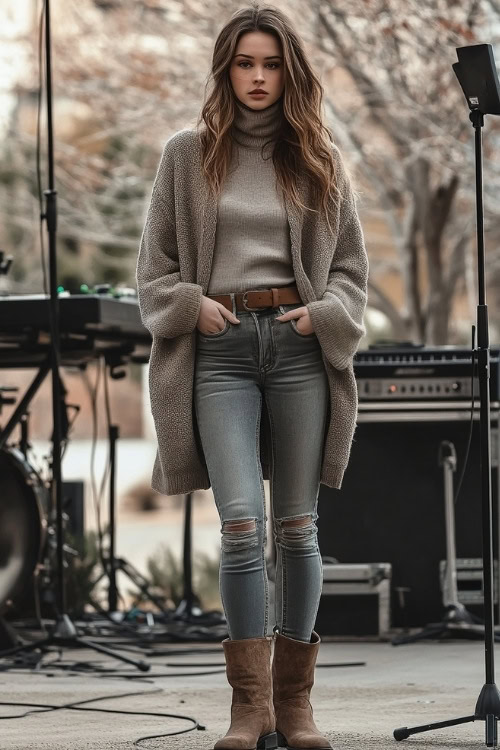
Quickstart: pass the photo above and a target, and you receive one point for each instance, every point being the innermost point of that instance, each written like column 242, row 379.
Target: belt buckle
column 244, row 300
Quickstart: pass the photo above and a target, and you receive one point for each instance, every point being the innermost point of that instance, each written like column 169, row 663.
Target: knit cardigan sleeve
column 168, row 306
column 337, row 318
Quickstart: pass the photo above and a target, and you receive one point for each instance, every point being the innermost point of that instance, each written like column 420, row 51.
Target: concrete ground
column 355, row 706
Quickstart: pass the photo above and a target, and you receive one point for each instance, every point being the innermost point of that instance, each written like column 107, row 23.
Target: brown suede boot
column 293, row 678
column 248, row 671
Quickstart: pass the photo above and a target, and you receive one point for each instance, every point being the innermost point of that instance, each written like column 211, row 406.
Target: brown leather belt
column 258, row 298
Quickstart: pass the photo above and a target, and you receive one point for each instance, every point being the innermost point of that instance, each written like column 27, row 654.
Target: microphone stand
column 477, row 75
column 189, row 607
column 63, row 633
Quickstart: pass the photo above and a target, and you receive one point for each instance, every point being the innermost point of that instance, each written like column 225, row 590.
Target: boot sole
column 284, row 744
column 268, row 741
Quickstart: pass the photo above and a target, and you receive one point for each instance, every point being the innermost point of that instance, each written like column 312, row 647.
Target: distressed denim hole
column 296, row 532
column 291, row 522
column 237, row 535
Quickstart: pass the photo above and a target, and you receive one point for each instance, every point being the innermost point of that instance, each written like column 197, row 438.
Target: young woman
column 252, row 279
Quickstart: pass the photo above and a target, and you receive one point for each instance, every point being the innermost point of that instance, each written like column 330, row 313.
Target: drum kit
column 24, row 522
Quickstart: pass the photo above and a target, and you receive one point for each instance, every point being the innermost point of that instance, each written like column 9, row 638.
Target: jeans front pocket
column 227, row 326
column 293, row 321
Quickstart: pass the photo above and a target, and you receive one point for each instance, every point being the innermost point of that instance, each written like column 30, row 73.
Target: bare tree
column 128, row 73
column 411, row 136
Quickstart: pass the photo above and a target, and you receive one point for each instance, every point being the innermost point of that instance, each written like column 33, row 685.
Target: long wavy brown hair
column 303, row 144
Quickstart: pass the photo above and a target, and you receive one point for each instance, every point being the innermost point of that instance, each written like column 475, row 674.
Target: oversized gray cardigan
column 172, row 274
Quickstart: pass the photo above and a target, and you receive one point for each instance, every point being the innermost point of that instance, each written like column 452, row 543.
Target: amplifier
column 417, row 373
column 391, row 505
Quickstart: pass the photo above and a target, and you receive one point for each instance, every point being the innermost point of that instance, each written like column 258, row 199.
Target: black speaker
column 391, row 505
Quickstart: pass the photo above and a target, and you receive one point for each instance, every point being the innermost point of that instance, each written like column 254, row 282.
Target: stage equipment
column 63, row 633
column 415, row 376
column 111, row 563
column 390, row 506
column 74, row 507
column 24, row 508
column 91, row 325
column 355, row 599
column 189, row 608
column 457, row 621
column 478, row 78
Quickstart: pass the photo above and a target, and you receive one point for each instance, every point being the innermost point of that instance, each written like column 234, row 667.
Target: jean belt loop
column 274, row 291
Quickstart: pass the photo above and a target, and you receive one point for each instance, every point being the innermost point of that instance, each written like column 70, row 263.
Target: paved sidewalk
column 356, row 707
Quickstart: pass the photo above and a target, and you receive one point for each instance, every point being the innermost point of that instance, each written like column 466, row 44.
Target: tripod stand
column 111, row 563
column 478, row 78
column 63, row 633
column 189, row 608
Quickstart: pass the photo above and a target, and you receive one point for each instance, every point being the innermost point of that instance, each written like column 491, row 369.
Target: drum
column 24, row 508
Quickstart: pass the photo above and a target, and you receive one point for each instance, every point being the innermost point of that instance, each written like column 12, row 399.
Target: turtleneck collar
column 253, row 127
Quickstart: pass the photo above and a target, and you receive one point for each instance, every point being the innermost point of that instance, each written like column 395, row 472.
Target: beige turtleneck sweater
column 252, row 241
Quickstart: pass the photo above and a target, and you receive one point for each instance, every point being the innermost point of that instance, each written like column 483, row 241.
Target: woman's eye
column 245, row 62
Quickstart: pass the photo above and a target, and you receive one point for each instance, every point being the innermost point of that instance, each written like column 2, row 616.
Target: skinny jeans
column 235, row 369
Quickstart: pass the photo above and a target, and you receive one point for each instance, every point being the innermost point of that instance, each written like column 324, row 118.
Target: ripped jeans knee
column 296, row 532
column 239, row 534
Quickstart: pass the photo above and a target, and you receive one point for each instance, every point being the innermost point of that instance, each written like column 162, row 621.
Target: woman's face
column 251, row 70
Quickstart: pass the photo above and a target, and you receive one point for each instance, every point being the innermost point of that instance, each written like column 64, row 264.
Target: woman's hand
column 211, row 316
column 305, row 327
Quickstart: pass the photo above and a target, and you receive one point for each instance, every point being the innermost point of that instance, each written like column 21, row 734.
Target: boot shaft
column 293, row 677
column 293, row 667
column 248, row 669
